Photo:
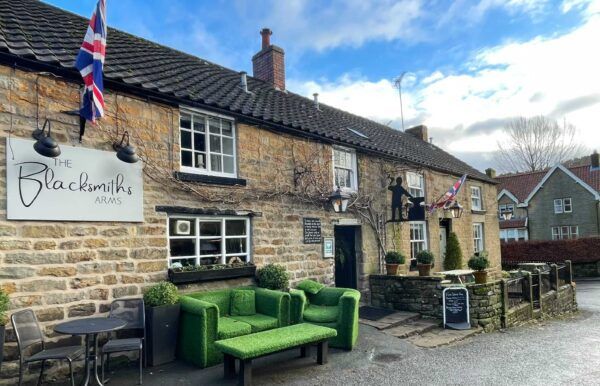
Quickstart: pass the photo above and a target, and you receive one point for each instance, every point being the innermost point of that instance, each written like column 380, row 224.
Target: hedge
column 584, row 250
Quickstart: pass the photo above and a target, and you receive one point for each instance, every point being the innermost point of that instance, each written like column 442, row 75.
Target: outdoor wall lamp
column 506, row 214
column 456, row 210
column 339, row 200
column 125, row 152
column 45, row 144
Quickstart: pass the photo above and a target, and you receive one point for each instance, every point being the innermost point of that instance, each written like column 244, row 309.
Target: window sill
column 473, row 211
column 212, row 180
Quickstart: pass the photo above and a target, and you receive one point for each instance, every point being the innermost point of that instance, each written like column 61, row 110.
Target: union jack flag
column 449, row 196
column 90, row 63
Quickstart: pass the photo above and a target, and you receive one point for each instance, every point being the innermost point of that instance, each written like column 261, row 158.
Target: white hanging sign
column 79, row 185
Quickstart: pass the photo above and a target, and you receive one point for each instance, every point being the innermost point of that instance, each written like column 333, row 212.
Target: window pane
column 186, row 158
column 185, row 121
column 210, row 228
column 227, row 146
column 182, row 227
column 215, row 144
column 228, row 164
column 213, row 125
column 235, row 245
column 227, row 128
column 199, row 123
column 235, row 227
column 210, row 247
column 183, row 247
column 200, row 160
column 199, row 142
column 215, row 163
column 186, row 139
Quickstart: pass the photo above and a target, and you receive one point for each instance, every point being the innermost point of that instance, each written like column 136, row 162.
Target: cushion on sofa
column 310, row 286
column 321, row 314
column 222, row 298
column 230, row 328
column 243, row 302
column 258, row 322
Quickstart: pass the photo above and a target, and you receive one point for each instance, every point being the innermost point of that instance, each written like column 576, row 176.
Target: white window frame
column 503, row 207
column 353, row 170
column 417, row 190
column 558, row 206
column 478, row 237
column 247, row 256
column 476, row 200
column 208, row 171
column 570, row 205
column 513, row 234
column 565, row 232
column 413, row 253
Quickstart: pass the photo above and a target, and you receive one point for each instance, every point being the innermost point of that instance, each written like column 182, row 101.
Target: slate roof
column 33, row 30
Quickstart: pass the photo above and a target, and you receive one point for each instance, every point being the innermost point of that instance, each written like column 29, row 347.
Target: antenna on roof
column 398, row 84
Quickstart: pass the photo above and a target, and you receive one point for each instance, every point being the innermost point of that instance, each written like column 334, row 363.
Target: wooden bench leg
column 245, row 375
column 229, row 366
column 322, row 349
column 304, row 351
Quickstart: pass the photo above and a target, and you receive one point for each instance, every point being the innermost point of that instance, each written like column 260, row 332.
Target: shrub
column 425, row 257
column 583, row 250
column 479, row 262
column 453, row 258
column 3, row 307
column 161, row 294
column 394, row 257
column 273, row 276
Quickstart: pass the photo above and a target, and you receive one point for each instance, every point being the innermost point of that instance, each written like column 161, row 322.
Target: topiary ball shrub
column 273, row 276
column 161, row 294
column 479, row 262
column 453, row 258
column 3, row 307
column 394, row 257
column 425, row 257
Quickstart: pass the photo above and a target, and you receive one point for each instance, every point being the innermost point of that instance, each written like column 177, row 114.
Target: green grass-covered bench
column 248, row 347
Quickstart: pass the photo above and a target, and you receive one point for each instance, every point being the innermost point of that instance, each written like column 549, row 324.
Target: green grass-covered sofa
column 329, row 307
column 206, row 317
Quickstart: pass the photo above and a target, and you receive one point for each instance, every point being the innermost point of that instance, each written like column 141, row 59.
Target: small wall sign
column 312, row 230
column 456, row 308
column 79, row 185
column 328, row 247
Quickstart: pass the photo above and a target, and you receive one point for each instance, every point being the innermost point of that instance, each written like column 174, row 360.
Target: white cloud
column 466, row 110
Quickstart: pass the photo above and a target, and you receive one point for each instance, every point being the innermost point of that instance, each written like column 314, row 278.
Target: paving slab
column 392, row 320
column 412, row 328
column 441, row 337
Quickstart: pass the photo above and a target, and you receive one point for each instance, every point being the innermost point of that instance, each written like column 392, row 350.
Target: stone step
column 441, row 337
column 411, row 328
column 392, row 320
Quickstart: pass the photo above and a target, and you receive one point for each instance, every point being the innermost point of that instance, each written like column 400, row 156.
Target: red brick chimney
column 419, row 132
column 268, row 64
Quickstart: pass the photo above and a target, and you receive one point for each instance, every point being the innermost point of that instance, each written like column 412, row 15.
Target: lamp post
column 339, row 200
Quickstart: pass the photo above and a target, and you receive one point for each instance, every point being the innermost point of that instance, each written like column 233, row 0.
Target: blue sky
column 471, row 65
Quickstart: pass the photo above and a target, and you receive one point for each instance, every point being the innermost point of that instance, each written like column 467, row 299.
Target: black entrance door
column 347, row 242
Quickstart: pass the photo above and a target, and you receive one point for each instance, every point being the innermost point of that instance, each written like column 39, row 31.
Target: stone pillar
column 569, row 272
column 554, row 277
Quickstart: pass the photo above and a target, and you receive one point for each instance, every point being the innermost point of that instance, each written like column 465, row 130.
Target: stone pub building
column 232, row 167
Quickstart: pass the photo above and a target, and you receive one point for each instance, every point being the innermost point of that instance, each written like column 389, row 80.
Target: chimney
column 419, row 132
column 595, row 158
column 268, row 63
column 490, row 172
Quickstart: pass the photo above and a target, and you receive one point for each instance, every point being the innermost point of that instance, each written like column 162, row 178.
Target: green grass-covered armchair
column 207, row 317
column 330, row 307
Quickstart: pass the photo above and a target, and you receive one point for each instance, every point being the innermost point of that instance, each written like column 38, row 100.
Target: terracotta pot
column 392, row 269
column 424, row 269
column 480, row 277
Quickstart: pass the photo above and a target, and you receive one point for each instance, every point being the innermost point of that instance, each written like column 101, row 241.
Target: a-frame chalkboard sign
column 456, row 308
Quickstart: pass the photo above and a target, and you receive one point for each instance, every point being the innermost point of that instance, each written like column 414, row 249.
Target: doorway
column 347, row 249
column 444, row 232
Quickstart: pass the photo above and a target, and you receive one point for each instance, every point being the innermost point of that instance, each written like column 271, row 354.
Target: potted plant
column 162, row 322
column 425, row 260
column 479, row 263
column 273, row 276
column 179, row 274
column 392, row 260
column 3, row 321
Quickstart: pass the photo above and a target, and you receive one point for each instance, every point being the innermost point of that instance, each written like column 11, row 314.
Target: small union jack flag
column 449, row 196
column 90, row 63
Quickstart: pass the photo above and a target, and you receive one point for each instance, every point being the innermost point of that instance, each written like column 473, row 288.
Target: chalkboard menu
column 456, row 308
column 312, row 230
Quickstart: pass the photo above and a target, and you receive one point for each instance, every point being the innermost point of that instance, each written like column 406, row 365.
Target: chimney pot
column 316, row 99
column 490, row 172
column 595, row 158
column 243, row 81
column 266, row 38
column 419, row 132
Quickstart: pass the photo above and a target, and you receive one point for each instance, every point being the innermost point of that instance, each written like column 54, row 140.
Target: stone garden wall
column 485, row 301
column 408, row 293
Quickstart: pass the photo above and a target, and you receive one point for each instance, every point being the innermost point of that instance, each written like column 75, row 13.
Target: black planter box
column 210, row 274
column 162, row 324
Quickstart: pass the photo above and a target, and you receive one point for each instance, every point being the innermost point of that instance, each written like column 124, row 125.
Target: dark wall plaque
column 456, row 308
column 312, row 230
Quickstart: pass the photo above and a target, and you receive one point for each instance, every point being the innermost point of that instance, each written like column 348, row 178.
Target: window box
column 211, row 272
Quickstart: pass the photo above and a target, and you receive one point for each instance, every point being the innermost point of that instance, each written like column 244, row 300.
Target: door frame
column 357, row 250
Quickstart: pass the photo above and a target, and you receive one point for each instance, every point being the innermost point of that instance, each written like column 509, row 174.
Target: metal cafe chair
column 132, row 311
column 28, row 332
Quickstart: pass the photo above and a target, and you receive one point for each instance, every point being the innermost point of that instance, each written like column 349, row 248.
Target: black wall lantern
column 456, row 210
column 45, row 144
column 339, row 200
column 125, row 152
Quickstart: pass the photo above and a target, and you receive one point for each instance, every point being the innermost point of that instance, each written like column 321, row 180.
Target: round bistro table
column 90, row 327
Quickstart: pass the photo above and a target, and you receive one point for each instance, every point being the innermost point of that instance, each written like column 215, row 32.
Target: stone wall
column 408, row 293
column 558, row 302
column 519, row 314
column 485, row 305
